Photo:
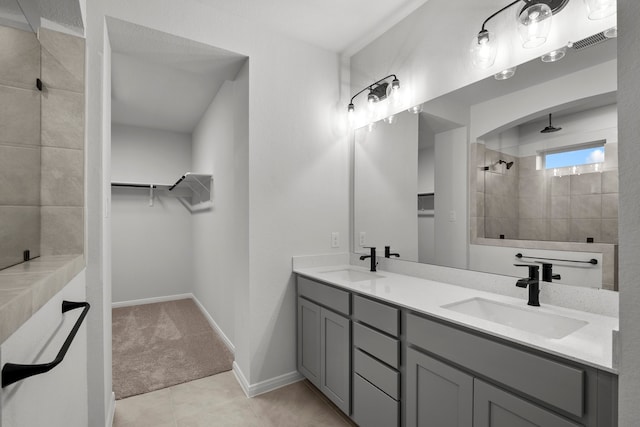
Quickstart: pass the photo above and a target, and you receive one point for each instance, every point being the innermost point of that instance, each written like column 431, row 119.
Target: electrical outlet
column 335, row 239
column 452, row 216
column 363, row 238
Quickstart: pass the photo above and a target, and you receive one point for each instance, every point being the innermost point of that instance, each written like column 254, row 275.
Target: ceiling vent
column 589, row 41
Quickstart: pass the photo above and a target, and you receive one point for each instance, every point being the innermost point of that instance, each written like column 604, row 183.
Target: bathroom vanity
column 394, row 350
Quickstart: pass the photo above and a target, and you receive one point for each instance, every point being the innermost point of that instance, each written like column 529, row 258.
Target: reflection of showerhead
column 509, row 164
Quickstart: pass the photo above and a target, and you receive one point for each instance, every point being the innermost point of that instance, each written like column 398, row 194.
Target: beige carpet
column 164, row 344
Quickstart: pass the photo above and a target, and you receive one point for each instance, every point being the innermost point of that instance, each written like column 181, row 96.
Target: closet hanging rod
column 592, row 261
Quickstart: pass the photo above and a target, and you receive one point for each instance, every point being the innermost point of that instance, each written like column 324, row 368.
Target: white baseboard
column 150, row 300
column 214, row 325
column 252, row 390
column 112, row 410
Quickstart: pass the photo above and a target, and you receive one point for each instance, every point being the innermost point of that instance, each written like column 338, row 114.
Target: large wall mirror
column 470, row 181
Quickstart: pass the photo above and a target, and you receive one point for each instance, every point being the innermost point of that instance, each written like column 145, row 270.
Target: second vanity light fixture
column 534, row 24
column 377, row 91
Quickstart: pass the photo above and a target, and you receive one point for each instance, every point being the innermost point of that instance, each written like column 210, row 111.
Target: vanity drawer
column 377, row 315
column 378, row 374
column 371, row 407
column 549, row 381
column 328, row 296
column 377, row 344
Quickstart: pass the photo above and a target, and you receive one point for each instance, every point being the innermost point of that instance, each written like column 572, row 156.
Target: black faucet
column 547, row 273
column 372, row 256
column 532, row 282
column 388, row 254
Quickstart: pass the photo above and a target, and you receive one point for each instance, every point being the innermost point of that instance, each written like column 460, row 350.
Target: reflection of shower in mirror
column 509, row 164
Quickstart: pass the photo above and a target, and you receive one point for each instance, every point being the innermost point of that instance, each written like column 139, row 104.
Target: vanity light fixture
column 505, row 74
column 534, row 24
column 377, row 91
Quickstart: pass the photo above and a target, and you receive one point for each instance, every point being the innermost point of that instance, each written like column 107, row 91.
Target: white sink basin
column 545, row 324
column 350, row 275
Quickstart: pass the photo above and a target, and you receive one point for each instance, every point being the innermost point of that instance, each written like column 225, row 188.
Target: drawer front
column 332, row 298
column 378, row 374
column 377, row 344
column 380, row 316
column 552, row 382
column 371, row 407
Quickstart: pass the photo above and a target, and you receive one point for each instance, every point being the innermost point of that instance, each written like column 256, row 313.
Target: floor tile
column 145, row 410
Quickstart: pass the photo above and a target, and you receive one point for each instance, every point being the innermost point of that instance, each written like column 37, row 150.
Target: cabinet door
column 494, row 407
column 437, row 394
column 309, row 340
column 335, row 361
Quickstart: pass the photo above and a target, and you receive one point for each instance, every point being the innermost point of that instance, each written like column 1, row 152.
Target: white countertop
column 590, row 345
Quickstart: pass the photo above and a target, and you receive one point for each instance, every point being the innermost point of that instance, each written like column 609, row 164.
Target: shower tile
column 527, row 165
column 19, row 116
column 558, row 230
column 480, row 207
column 610, row 181
column 532, row 229
column 480, row 227
column 62, row 177
column 63, row 119
column 610, row 206
column 62, row 230
column 588, row 183
column 20, row 230
column 19, row 57
column 609, row 231
column 531, row 186
column 586, row 206
column 19, row 175
column 62, row 60
column 560, row 185
column 580, row 229
column 480, row 185
column 531, row 208
column 559, row 207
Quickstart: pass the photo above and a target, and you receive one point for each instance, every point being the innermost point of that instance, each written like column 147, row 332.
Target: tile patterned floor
column 219, row 401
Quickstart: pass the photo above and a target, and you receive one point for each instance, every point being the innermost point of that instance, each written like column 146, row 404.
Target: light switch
column 335, row 239
column 363, row 238
column 452, row 216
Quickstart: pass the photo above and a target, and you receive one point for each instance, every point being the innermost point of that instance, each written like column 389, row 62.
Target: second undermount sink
column 351, row 275
column 546, row 324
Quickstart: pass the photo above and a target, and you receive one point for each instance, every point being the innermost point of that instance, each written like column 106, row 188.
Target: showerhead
column 508, row 164
column 550, row 128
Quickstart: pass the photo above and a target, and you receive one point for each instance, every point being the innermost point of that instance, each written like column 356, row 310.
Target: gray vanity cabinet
column 437, row 394
column 324, row 340
column 494, row 407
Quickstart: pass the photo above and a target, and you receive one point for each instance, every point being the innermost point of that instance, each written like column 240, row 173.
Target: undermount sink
column 545, row 324
column 350, row 275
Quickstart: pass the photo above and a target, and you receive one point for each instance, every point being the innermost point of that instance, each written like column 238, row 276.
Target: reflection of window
column 574, row 157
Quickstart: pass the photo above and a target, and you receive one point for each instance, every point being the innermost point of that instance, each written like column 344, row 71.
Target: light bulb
column 554, row 55
column 415, row 109
column 505, row 74
column 534, row 24
column 600, row 9
column 483, row 50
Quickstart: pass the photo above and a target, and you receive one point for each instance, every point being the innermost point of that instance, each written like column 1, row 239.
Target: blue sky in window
column 585, row 156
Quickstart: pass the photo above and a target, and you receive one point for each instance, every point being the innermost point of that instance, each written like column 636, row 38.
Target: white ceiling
column 161, row 81
column 336, row 25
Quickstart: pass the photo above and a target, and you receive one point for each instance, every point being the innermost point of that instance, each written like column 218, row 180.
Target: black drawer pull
column 13, row 372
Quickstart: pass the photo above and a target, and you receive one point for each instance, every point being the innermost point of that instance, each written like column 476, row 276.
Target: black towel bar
column 592, row 261
column 13, row 372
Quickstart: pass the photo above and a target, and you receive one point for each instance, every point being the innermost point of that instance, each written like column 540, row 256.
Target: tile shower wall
column 19, row 145
column 529, row 204
column 62, row 194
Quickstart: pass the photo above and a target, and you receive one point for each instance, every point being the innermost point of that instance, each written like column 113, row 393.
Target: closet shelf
column 193, row 189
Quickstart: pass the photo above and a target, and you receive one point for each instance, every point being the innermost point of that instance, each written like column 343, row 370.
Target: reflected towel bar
column 592, row 261
column 13, row 372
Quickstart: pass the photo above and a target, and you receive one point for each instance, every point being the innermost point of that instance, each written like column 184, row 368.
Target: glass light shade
column 611, row 33
column 554, row 55
column 534, row 24
column 600, row 9
column 505, row 74
column 416, row 109
column 483, row 50
column 372, row 100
